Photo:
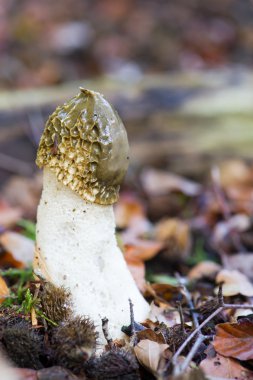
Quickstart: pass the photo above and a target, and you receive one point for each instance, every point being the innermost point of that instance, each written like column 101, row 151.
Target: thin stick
column 191, row 354
column 198, row 329
column 15, row 165
column 189, row 300
column 105, row 322
column 132, row 324
column 192, row 335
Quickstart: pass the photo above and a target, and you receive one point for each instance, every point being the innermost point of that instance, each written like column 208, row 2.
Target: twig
column 195, row 332
column 36, row 122
column 105, row 322
column 15, row 165
column 192, row 353
column 132, row 324
column 181, row 316
column 208, row 319
column 189, row 301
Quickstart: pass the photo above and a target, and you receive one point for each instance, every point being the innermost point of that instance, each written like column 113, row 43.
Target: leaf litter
column 192, row 260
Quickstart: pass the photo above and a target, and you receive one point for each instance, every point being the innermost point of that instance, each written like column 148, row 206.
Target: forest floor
column 189, row 248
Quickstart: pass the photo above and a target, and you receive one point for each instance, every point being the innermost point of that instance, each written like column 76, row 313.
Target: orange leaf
column 4, row 290
column 128, row 209
column 225, row 368
column 137, row 269
column 143, row 249
column 235, row 340
column 164, row 291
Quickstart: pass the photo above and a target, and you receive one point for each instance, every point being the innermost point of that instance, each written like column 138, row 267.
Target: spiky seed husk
column 177, row 335
column 116, row 364
column 73, row 343
column 55, row 302
column 23, row 344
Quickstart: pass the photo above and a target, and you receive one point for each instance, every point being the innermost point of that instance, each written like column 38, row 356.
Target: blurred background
column 178, row 72
column 46, row 43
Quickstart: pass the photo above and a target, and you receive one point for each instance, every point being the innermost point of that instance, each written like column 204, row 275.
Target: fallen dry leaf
column 239, row 223
column 137, row 269
column 225, row 368
column 175, row 233
column 127, row 210
column 235, row 339
column 24, row 193
column 157, row 182
column 164, row 292
column 234, row 173
column 234, row 283
column 193, row 374
column 143, row 249
column 242, row 262
column 19, row 246
column 4, row 290
column 151, row 335
column 26, row 374
column 164, row 313
column 207, row 269
column 149, row 354
column 9, row 215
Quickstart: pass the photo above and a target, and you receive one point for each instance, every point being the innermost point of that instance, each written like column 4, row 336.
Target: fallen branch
column 198, row 331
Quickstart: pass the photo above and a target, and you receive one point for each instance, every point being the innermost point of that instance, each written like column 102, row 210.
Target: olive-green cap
column 85, row 144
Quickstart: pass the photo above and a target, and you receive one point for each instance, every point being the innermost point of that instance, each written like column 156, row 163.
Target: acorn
column 73, row 343
column 55, row 302
column 116, row 364
column 23, row 344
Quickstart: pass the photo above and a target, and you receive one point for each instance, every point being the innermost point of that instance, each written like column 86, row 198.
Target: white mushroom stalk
column 84, row 153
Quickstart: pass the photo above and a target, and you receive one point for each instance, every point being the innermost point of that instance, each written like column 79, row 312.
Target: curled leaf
column 235, row 340
column 149, row 354
column 234, row 283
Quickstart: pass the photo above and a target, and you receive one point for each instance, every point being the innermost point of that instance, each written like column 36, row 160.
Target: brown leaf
column 193, row 374
column 164, row 313
column 20, row 247
column 24, row 193
column 151, row 335
column 4, row 290
column 234, row 283
column 157, row 182
column 26, row 374
column 127, row 210
column 235, row 340
column 175, row 233
column 9, row 215
column 225, row 368
column 165, row 292
column 137, row 269
column 206, row 269
column 143, row 249
column 234, row 173
column 149, row 354
column 242, row 262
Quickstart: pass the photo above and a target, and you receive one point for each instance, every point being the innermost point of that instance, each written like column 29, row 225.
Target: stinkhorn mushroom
column 84, row 152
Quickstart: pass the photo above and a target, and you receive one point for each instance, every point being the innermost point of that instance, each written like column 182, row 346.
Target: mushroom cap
column 85, row 144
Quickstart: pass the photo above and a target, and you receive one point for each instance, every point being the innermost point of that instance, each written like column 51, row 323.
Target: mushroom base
column 77, row 248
